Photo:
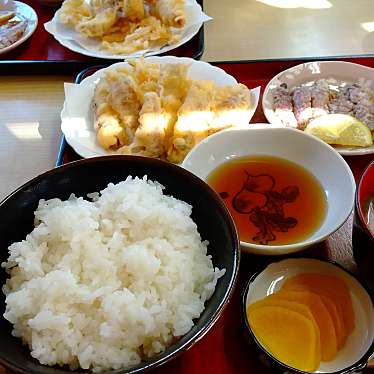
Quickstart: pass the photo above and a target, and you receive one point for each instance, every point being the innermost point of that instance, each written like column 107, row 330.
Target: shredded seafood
column 298, row 106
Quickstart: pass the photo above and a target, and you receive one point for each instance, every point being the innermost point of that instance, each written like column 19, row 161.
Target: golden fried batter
column 126, row 26
column 155, row 110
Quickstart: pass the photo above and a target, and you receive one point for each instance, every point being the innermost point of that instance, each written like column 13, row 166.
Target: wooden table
column 224, row 349
column 274, row 29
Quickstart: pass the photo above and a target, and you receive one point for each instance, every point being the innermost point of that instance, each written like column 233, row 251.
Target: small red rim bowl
column 362, row 237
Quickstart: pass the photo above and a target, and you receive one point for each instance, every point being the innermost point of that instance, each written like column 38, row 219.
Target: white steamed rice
column 104, row 284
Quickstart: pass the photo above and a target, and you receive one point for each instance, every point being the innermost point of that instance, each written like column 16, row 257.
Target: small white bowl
column 314, row 155
column 359, row 345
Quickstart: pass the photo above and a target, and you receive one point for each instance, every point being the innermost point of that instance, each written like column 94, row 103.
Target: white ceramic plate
column 76, row 116
column 359, row 342
column 311, row 71
column 28, row 13
column 74, row 41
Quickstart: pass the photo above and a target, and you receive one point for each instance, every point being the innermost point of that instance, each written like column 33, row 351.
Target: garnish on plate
column 300, row 106
column 12, row 28
column 341, row 129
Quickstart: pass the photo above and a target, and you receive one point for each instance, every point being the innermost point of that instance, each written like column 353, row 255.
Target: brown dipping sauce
column 272, row 200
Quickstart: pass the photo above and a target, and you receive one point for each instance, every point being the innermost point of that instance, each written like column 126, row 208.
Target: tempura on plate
column 206, row 110
column 171, row 12
column 156, row 110
column 126, row 26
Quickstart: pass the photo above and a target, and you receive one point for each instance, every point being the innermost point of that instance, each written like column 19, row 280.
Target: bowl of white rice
column 113, row 264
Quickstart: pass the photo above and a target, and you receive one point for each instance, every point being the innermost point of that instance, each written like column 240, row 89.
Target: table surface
column 251, row 30
column 30, row 134
column 29, row 127
column 268, row 29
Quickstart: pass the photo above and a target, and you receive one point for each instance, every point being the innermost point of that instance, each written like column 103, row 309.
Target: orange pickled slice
column 329, row 344
column 288, row 335
column 333, row 288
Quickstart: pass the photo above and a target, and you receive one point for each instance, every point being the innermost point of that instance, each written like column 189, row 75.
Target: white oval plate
column 310, row 71
column 74, row 41
column 28, row 13
column 76, row 116
column 359, row 341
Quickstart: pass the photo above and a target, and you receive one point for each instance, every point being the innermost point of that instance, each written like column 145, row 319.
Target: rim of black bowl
column 166, row 356
column 359, row 364
column 358, row 205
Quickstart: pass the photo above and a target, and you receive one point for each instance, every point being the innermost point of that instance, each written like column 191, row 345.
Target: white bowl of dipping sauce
column 319, row 160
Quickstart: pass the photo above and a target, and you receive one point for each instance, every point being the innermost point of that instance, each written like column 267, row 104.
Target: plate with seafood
column 18, row 21
column 331, row 99
column 119, row 29
column 158, row 107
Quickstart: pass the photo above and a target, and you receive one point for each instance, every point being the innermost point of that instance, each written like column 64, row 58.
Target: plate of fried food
column 333, row 100
column 120, row 29
column 18, row 21
column 157, row 107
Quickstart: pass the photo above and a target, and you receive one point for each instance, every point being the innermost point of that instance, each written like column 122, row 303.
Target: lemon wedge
column 340, row 129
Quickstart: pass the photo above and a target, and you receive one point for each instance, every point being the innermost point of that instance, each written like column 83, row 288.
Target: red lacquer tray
column 225, row 349
column 42, row 46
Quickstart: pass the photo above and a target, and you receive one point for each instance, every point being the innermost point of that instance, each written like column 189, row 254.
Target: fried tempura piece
column 170, row 12
column 74, row 11
column 119, row 31
column 146, row 74
column 126, row 26
column 133, row 10
column 173, row 86
column 231, row 106
column 123, row 99
column 148, row 33
column 99, row 5
column 152, row 127
column 155, row 110
column 99, row 25
column 193, row 121
column 110, row 134
column 116, row 109
column 173, row 83
column 206, row 110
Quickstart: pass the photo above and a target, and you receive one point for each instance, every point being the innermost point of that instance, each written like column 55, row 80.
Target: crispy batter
column 98, row 25
column 155, row 110
column 148, row 33
column 194, row 117
column 171, row 12
column 133, row 9
column 73, row 12
column 126, row 26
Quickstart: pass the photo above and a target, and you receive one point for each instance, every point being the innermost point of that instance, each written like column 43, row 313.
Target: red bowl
column 362, row 237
